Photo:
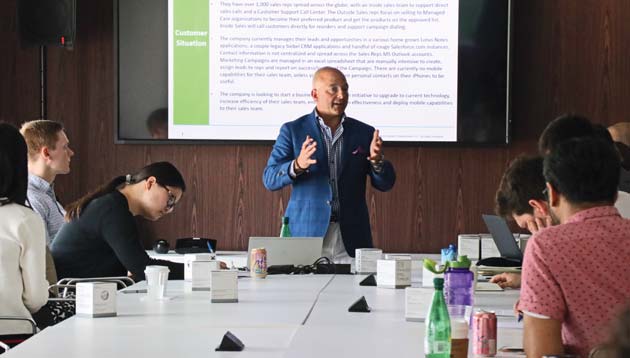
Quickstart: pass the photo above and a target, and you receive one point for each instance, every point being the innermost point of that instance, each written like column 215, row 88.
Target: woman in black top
column 101, row 239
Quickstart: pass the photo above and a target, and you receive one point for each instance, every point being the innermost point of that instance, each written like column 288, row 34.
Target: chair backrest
column 8, row 341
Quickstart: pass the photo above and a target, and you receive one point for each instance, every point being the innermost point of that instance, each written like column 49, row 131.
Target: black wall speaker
column 47, row 22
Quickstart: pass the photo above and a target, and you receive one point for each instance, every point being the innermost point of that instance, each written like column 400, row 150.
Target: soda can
column 258, row 263
column 484, row 337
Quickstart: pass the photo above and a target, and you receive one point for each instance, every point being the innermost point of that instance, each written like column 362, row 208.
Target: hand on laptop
column 537, row 224
column 507, row 279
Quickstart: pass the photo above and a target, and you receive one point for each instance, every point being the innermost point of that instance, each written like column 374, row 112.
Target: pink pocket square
column 358, row 150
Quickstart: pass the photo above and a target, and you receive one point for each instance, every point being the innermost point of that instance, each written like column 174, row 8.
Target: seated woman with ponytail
column 101, row 238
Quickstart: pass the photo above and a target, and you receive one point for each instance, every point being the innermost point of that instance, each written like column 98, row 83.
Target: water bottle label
column 440, row 346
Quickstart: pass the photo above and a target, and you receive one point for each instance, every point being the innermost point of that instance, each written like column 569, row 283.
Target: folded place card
column 394, row 273
column 469, row 245
column 365, row 260
column 190, row 258
column 417, row 303
column 224, row 286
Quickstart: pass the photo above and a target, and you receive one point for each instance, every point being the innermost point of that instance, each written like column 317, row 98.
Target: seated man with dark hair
column 570, row 126
column 520, row 198
column 570, row 290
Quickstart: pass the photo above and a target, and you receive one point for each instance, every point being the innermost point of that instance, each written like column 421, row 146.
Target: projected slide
column 239, row 69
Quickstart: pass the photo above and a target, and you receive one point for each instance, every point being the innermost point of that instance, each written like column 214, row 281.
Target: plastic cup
column 157, row 277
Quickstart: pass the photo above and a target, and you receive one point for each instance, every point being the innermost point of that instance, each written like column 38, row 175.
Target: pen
column 210, row 247
column 134, row 291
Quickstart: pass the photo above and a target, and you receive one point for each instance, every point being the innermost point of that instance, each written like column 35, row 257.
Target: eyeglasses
column 172, row 199
column 546, row 194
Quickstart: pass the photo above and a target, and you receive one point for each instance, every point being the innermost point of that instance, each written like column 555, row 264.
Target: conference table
column 280, row 316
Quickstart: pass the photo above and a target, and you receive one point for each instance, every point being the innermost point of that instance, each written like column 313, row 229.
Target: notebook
column 288, row 250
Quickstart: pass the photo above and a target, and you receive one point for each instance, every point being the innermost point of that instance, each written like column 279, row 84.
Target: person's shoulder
column 21, row 216
column 109, row 202
column 299, row 121
column 357, row 124
column 38, row 201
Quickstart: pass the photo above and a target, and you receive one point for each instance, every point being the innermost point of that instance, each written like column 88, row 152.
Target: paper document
column 488, row 286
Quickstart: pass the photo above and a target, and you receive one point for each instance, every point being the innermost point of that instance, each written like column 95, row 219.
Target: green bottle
column 284, row 230
column 437, row 340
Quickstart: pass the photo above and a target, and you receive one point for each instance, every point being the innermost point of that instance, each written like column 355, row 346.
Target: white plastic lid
column 459, row 329
column 157, row 268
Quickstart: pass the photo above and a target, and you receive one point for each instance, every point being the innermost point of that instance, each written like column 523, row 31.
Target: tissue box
column 393, row 273
column 469, row 244
column 96, row 299
column 365, row 260
column 224, row 286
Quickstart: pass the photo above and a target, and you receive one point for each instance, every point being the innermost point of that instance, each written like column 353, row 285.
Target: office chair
column 8, row 341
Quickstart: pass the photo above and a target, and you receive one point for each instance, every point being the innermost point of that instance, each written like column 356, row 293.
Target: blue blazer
column 310, row 203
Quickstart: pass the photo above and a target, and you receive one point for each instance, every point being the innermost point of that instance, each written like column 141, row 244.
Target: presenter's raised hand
column 304, row 160
column 376, row 148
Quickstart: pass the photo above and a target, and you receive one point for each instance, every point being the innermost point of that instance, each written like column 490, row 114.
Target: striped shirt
column 42, row 198
column 332, row 145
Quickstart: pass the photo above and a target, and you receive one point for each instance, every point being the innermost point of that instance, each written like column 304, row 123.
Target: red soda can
column 258, row 263
column 484, row 339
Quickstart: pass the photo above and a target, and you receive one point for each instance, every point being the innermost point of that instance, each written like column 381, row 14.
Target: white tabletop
column 280, row 316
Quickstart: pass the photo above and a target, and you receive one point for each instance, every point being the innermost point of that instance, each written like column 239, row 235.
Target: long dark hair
column 165, row 173
column 13, row 166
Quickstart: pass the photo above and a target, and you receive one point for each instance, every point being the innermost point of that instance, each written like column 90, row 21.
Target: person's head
column 520, row 193
column 154, row 190
column 581, row 173
column 48, row 147
column 157, row 123
column 569, row 126
column 13, row 166
column 330, row 92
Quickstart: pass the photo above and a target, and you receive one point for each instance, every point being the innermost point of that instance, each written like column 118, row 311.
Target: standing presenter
column 326, row 157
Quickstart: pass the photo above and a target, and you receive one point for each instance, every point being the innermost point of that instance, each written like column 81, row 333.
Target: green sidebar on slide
column 190, row 62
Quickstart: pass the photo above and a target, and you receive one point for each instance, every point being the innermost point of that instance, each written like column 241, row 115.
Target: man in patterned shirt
column 326, row 157
column 574, row 280
column 49, row 155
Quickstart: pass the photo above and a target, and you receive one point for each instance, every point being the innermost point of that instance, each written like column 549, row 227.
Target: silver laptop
column 288, row 250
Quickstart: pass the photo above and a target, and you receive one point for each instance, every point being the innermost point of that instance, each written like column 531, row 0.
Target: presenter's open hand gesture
column 376, row 148
column 304, row 159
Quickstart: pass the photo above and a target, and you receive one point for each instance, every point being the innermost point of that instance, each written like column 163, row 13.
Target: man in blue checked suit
column 327, row 157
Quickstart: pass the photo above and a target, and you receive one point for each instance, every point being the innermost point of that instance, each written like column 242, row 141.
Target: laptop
column 288, row 250
column 511, row 254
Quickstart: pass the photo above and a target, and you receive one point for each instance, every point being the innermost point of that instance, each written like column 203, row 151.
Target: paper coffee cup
column 157, row 277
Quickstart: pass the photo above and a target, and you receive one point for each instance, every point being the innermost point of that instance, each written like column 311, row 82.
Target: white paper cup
column 157, row 277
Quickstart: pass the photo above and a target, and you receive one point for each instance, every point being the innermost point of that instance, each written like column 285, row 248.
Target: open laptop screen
column 288, row 250
column 503, row 237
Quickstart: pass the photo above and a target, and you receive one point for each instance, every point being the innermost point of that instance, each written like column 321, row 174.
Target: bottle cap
column 438, row 282
column 459, row 329
column 462, row 262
